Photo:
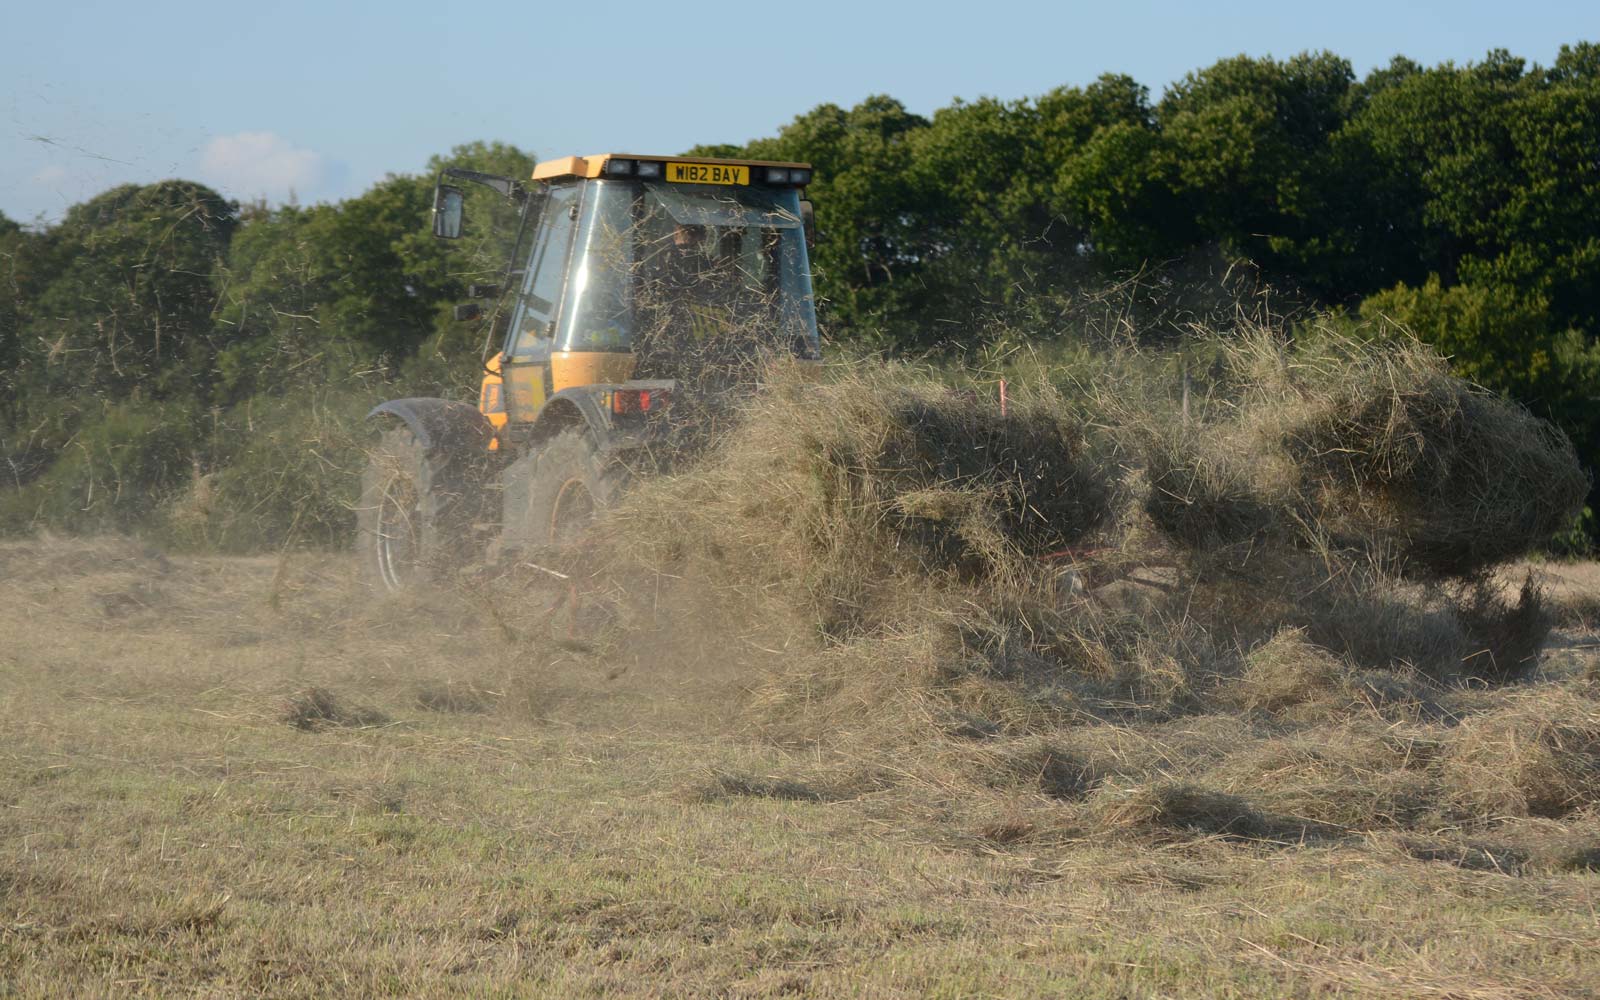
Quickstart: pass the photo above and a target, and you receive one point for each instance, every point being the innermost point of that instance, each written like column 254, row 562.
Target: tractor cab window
column 704, row 264
column 684, row 237
column 694, row 263
column 533, row 322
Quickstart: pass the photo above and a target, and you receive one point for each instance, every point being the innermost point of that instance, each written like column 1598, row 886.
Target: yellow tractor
column 637, row 289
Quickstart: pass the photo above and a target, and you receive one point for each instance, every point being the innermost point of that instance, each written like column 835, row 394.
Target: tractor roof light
column 799, row 176
column 649, row 170
column 777, row 175
column 619, row 168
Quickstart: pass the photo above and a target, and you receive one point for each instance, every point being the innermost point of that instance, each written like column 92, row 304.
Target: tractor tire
column 571, row 484
column 414, row 519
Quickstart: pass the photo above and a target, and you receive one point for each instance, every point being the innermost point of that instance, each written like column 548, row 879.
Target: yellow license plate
column 707, row 173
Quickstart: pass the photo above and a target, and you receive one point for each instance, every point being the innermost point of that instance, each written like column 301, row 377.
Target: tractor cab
column 657, row 270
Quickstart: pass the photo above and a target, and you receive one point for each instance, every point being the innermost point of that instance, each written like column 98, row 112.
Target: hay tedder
column 637, row 288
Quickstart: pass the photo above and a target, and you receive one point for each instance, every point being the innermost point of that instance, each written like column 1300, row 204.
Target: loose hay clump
column 838, row 493
column 1506, row 634
column 1288, row 671
column 1536, row 756
column 723, row 785
column 1371, row 447
column 1341, row 775
column 1176, row 806
column 1039, row 764
column 319, row 708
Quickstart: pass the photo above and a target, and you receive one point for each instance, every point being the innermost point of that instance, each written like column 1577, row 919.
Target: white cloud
column 256, row 164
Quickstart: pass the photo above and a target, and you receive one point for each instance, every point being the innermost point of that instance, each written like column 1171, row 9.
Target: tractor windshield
column 685, row 270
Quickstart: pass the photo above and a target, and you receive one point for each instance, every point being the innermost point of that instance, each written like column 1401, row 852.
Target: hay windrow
column 941, row 594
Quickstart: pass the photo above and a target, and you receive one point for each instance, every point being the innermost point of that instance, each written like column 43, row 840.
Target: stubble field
column 230, row 777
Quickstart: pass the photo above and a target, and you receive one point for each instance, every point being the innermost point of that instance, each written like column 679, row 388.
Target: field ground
column 225, row 777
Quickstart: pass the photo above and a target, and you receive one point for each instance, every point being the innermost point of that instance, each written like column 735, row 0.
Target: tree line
column 162, row 345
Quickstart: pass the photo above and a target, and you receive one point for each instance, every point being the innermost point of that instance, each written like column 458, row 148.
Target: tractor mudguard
column 583, row 406
column 443, row 427
column 571, row 408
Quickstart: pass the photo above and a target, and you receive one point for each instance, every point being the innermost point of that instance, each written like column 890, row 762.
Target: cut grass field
column 232, row 777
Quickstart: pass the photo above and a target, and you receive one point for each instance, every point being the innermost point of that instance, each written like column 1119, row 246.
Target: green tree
column 130, row 309
column 361, row 283
column 28, row 263
column 993, row 238
column 868, row 213
column 1499, row 165
column 1111, row 185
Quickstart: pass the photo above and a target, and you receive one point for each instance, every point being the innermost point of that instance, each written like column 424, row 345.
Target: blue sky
column 323, row 98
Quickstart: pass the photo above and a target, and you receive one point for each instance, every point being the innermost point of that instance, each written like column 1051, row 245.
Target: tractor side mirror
column 808, row 222
column 447, row 212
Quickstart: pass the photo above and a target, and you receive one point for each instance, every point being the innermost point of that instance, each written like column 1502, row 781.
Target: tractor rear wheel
column 572, row 483
column 413, row 516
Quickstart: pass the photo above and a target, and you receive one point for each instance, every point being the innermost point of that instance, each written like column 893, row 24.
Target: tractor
column 639, row 292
